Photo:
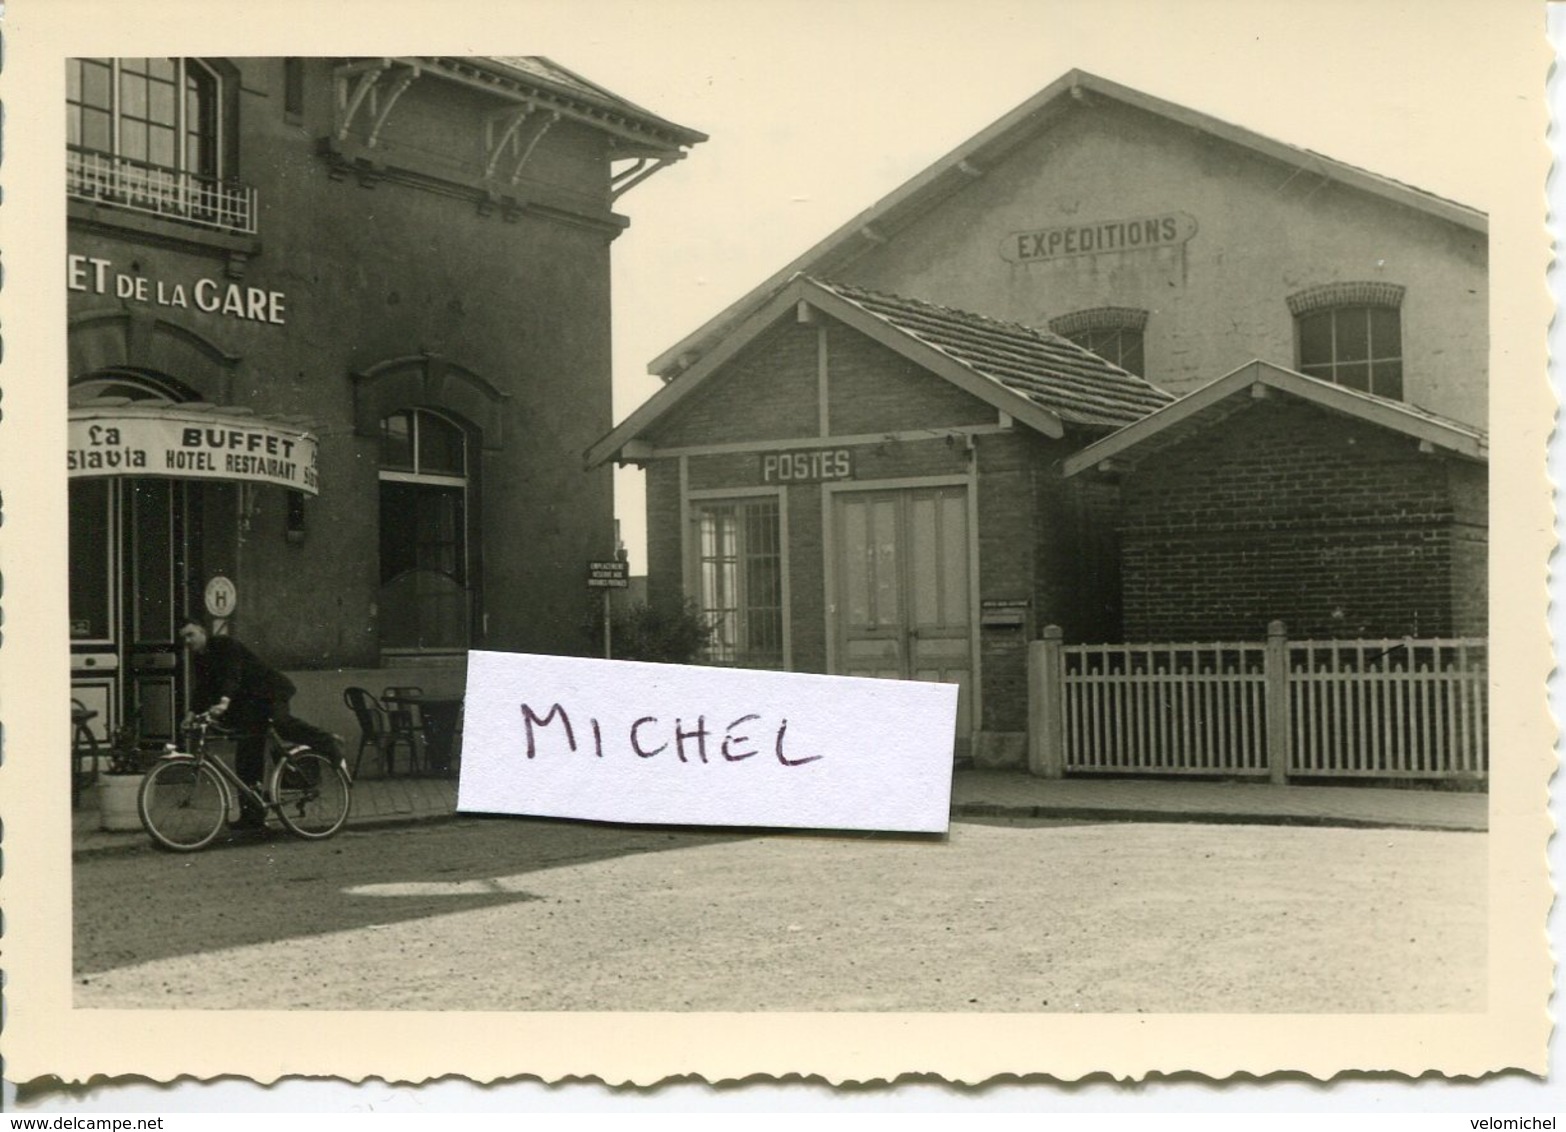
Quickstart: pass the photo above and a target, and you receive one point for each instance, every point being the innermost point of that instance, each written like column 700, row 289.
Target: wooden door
column 903, row 608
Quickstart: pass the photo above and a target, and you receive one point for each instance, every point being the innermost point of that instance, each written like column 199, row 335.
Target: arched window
column 129, row 385
column 157, row 112
column 1113, row 333
column 1351, row 334
column 426, row 596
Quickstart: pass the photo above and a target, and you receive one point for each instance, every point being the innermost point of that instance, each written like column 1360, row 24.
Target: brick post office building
column 825, row 446
column 339, row 330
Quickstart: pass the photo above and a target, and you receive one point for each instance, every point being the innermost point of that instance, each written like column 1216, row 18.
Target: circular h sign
column 221, row 597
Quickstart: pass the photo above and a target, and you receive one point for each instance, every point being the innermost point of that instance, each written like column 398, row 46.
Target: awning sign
column 189, row 444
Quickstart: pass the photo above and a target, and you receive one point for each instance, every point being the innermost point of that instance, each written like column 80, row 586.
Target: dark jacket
column 227, row 668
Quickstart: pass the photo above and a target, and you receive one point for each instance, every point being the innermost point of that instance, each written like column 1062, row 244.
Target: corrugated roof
column 1053, row 372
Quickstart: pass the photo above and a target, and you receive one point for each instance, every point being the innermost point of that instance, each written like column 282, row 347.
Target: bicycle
column 186, row 796
column 84, row 750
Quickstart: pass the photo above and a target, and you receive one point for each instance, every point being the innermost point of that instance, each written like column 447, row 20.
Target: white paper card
column 622, row 741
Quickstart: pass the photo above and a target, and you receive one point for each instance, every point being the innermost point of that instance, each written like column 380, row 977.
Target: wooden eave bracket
column 365, row 79
column 639, row 172
column 400, row 84
column 348, row 105
column 509, row 120
column 541, row 124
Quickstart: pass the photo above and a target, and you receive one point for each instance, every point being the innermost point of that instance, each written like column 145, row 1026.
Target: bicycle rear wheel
column 312, row 794
column 183, row 804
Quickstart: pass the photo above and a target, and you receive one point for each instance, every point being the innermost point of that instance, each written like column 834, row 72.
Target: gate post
column 1046, row 701
column 1276, row 675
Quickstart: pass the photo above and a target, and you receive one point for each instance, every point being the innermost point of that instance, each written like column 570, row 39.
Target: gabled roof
column 959, row 168
column 1215, row 402
column 1040, row 379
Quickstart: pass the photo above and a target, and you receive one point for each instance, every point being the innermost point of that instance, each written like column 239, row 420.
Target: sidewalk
column 997, row 793
column 978, row 793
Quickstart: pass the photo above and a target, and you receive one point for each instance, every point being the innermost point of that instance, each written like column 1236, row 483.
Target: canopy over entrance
column 189, row 440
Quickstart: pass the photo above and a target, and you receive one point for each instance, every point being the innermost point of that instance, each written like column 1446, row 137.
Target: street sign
column 607, row 575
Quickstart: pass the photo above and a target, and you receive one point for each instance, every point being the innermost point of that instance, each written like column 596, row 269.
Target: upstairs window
column 1351, row 334
column 426, row 597
column 1113, row 333
column 158, row 112
column 157, row 136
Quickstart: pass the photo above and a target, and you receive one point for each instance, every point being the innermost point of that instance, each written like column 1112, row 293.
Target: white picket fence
column 1279, row 709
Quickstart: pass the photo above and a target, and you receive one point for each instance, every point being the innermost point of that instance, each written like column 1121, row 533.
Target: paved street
column 1006, row 915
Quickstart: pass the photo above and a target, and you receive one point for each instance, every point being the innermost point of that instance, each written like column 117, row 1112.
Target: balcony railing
column 135, row 185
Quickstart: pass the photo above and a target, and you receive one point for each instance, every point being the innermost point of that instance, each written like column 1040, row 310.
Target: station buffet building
column 339, row 330
column 1116, row 375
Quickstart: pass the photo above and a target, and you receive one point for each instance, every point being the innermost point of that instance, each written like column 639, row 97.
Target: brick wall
column 1338, row 528
column 1079, row 552
column 807, row 580
column 766, row 392
column 1007, row 469
column 663, row 534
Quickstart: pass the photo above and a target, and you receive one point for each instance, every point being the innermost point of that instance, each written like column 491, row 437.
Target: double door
column 130, row 565
column 904, row 591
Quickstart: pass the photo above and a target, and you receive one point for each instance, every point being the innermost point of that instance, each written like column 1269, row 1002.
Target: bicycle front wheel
column 84, row 762
column 312, row 794
column 183, row 804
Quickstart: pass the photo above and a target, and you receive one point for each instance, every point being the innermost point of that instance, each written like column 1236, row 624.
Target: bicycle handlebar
column 205, row 721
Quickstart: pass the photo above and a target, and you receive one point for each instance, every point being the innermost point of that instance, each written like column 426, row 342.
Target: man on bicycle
column 237, row 687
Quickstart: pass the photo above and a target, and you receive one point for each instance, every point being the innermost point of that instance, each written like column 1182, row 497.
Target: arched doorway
column 134, row 550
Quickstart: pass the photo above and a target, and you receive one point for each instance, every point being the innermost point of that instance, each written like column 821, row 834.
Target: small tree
column 667, row 635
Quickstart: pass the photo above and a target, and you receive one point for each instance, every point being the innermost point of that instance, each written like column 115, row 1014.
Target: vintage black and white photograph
column 1148, row 409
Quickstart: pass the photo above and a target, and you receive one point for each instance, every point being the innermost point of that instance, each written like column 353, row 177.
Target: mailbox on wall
column 1004, row 613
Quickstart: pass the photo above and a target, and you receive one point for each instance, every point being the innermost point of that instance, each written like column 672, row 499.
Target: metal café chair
column 406, row 720
column 375, row 730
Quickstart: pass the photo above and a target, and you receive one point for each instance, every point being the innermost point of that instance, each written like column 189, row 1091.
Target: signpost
column 612, row 574
column 220, row 598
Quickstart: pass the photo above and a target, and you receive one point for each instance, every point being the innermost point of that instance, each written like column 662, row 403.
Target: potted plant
column 120, row 781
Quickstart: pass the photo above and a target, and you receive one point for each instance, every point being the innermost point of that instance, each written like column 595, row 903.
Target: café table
column 441, row 718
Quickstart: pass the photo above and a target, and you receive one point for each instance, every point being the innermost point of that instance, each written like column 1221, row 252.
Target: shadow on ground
column 134, row 907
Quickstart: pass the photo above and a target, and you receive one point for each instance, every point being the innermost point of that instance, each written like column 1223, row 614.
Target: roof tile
column 1055, row 373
